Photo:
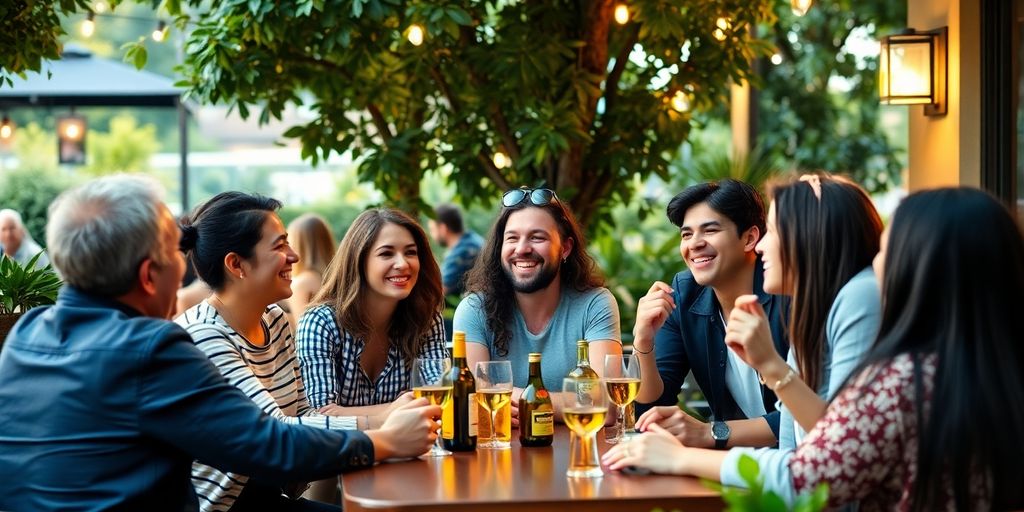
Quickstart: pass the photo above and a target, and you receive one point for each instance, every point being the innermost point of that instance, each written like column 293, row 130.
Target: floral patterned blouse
column 865, row 448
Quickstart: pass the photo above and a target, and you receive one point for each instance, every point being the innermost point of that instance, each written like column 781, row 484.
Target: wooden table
column 519, row 479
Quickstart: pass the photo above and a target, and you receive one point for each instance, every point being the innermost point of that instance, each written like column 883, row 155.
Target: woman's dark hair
column 953, row 288
column 488, row 279
column 345, row 283
column 228, row 222
column 737, row 200
column 824, row 242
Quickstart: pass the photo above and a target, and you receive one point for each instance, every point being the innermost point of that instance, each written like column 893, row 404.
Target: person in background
column 834, row 315
column 311, row 237
column 681, row 328
column 536, row 289
column 379, row 308
column 16, row 242
column 239, row 246
column 122, row 400
column 463, row 247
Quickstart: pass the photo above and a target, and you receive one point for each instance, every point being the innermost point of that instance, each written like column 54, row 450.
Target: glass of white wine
column 494, row 393
column 584, row 408
column 622, row 380
column 431, row 380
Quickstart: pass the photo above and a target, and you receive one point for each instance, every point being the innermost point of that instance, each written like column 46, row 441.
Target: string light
column 88, row 27
column 161, row 32
column 722, row 26
column 800, row 7
column 681, row 102
column 776, row 59
column 6, row 128
column 415, row 34
column 501, row 160
column 99, row 7
column 622, row 14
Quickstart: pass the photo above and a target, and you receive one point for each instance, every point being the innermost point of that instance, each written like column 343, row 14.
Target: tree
column 126, row 148
column 803, row 118
column 574, row 101
column 30, row 32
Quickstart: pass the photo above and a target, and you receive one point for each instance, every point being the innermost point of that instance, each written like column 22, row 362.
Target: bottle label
column 473, row 409
column 543, row 423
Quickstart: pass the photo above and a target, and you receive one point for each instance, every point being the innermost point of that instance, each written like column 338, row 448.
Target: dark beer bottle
column 459, row 418
column 536, row 413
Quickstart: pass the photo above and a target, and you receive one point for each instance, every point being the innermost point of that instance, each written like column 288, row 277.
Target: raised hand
column 651, row 312
column 750, row 337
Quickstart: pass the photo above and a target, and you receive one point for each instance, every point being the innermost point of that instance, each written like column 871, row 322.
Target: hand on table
column 408, row 431
column 685, row 428
column 656, row 450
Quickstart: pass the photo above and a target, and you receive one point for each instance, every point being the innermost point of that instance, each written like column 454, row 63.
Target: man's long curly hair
column 488, row 279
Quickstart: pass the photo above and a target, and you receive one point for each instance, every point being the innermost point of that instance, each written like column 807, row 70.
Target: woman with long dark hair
column 822, row 233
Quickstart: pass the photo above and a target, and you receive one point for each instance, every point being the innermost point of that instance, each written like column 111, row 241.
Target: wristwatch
column 720, row 432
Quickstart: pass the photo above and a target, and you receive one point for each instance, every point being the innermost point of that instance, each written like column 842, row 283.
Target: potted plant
column 23, row 288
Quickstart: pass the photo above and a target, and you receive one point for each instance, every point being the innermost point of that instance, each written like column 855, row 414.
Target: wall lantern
column 912, row 70
column 71, row 139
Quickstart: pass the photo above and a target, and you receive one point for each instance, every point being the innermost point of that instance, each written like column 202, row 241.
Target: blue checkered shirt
column 329, row 359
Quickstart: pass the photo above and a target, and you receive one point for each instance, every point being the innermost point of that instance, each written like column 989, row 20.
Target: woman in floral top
column 933, row 417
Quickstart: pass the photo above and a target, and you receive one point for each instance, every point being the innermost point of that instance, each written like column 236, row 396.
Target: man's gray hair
column 101, row 231
column 13, row 214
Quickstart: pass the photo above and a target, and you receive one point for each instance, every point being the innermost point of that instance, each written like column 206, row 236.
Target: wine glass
column 431, row 380
column 494, row 393
column 584, row 408
column 622, row 380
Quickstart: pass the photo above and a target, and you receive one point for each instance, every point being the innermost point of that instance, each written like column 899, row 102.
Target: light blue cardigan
column 850, row 331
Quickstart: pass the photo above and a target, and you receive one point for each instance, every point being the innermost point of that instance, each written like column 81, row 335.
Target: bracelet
column 635, row 351
column 781, row 382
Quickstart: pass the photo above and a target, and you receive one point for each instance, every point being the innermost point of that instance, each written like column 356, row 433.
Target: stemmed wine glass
column 584, row 408
column 622, row 379
column 494, row 393
column 431, row 380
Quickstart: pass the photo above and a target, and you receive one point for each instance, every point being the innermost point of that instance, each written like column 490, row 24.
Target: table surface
column 520, row 479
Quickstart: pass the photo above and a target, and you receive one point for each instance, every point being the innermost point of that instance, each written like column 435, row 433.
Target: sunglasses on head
column 536, row 196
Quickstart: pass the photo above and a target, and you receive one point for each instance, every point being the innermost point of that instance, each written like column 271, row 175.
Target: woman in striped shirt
column 240, row 248
column 378, row 309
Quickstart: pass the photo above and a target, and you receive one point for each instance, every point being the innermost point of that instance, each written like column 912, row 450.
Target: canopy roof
column 82, row 80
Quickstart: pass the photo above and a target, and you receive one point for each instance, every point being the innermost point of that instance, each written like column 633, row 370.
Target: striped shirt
column 329, row 358
column 269, row 375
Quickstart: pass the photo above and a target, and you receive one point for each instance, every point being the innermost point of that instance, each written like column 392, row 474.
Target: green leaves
column 755, row 498
column 135, row 53
column 25, row 287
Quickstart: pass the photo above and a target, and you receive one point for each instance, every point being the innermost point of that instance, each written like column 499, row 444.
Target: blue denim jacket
column 693, row 339
column 105, row 409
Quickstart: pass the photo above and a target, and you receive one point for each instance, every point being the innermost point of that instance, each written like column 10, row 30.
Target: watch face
column 720, row 430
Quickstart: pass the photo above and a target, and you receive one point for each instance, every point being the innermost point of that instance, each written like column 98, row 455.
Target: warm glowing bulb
column 680, row 102
column 776, row 59
column 99, row 7
column 800, row 7
column 621, row 14
column 501, row 160
column 160, row 33
column 6, row 130
column 723, row 23
column 88, row 28
column 72, row 131
column 415, row 35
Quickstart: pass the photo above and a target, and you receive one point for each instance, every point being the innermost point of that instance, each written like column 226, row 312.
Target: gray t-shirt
column 590, row 315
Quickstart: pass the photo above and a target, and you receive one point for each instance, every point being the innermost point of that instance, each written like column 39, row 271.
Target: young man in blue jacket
column 106, row 404
column 681, row 328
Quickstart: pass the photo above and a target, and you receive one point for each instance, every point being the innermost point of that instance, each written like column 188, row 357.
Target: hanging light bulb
column 6, row 128
column 621, row 14
column 681, row 102
column 501, row 160
column 415, row 34
column 88, row 27
column 161, row 32
column 800, row 7
column 100, row 6
column 722, row 26
column 776, row 58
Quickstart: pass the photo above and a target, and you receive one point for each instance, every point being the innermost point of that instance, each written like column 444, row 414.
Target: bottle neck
column 535, row 377
column 582, row 356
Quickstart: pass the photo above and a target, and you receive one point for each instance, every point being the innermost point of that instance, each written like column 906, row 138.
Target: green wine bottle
column 536, row 412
